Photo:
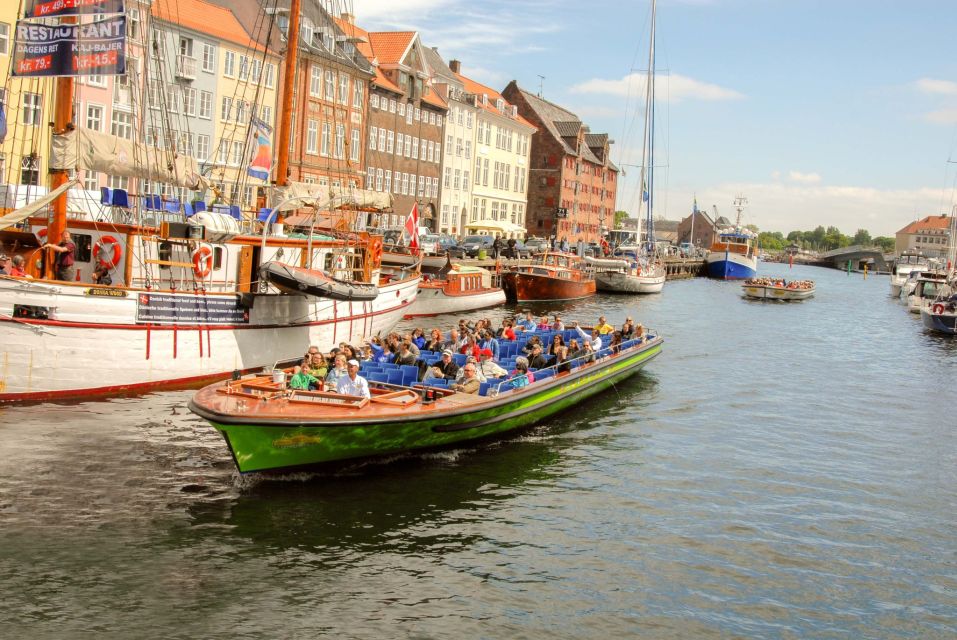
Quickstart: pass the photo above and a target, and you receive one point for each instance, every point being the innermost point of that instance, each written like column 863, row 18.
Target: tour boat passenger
column 521, row 376
column 405, row 355
column 603, row 327
column 66, row 256
column 470, row 382
column 488, row 367
column 301, row 378
column 16, row 267
column 338, row 372
column 444, row 369
column 628, row 328
column 557, row 324
column 537, row 359
column 528, row 324
column 594, row 339
column 353, row 384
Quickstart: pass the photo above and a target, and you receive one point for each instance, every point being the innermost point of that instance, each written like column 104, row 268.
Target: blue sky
column 838, row 112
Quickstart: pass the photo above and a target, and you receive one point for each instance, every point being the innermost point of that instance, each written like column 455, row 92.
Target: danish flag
column 412, row 228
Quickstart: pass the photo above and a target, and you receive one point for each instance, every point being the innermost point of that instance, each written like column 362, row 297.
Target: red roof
column 471, row 86
column 390, row 46
column 207, row 18
column 927, row 224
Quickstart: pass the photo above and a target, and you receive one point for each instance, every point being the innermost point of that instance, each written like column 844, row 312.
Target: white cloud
column 805, row 178
column 939, row 87
column 389, row 11
column 674, row 86
column 942, row 116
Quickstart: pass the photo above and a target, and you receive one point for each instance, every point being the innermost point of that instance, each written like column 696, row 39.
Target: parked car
column 686, row 250
column 429, row 243
column 537, row 245
column 471, row 245
column 446, row 242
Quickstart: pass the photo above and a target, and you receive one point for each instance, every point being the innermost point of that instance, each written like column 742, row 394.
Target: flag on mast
column 412, row 227
column 260, row 162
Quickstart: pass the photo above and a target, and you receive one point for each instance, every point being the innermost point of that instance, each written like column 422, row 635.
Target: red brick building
column 406, row 116
column 570, row 169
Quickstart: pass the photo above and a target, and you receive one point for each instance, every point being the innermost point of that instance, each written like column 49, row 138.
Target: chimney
column 348, row 18
column 455, row 66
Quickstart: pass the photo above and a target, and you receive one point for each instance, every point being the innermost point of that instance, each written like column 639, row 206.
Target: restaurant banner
column 51, row 8
column 97, row 48
column 180, row 309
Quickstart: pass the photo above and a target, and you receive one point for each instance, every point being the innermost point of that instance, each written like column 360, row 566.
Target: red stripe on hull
column 117, row 390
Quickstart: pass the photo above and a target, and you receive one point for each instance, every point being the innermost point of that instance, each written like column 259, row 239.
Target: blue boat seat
column 410, row 374
column 120, row 198
column 378, row 377
column 199, row 205
column 483, row 388
column 460, row 359
column 235, row 212
column 395, row 377
column 106, row 196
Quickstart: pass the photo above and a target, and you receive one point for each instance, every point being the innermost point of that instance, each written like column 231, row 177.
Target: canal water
column 782, row 470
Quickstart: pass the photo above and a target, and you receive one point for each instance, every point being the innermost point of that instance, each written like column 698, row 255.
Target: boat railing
column 572, row 363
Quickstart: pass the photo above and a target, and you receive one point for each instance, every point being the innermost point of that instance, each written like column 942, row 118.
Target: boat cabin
column 735, row 242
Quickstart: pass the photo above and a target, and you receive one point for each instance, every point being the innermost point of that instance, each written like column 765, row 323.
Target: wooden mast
column 62, row 123
column 289, row 83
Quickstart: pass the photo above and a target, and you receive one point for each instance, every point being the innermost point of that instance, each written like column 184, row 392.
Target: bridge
column 858, row 255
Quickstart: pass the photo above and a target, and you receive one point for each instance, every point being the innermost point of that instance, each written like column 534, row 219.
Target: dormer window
column 500, row 105
column 484, row 99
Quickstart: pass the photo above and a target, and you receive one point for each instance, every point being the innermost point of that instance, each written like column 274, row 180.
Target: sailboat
column 644, row 271
column 194, row 298
column 940, row 314
column 733, row 255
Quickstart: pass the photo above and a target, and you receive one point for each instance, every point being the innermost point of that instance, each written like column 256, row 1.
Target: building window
column 189, row 101
column 4, row 38
column 354, row 147
column 202, row 147
column 415, row 148
column 91, row 181
column 378, row 179
column 373, row 133
column 206, row 104
column 172, row 98
column 388, row 180
column 229, row 64
column 390, row 142
column 270, row 75
column 448, row 177
column 391, row 105
column 225, row 112
column 330, row 86
column 257, row 71
column 357, row 93
column 468, row 120
column 241, row 107
column 94, row 117
column 31, row 110
column 315, row 82
column 374, row 101
column 465, row 180
column 122, row 125
column 243, row 68
column 468, row 149
column 267, row 114
column 408, row 115
column 382, row 139
column 312, row 137
column 343, row 89
column 209, row 58
column 326, row 135
column 132, row 25
column 237, row 153
column 340, row 141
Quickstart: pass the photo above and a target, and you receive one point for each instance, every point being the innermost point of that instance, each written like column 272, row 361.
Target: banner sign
column 261, row 160
column 50, row 8
column 166, row 308
column 97, row 48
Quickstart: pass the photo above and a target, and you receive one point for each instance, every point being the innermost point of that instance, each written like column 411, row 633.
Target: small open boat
column 778, row 289
column 456, row 289
column 551, row 276
column 270, row 428
column 313, row 282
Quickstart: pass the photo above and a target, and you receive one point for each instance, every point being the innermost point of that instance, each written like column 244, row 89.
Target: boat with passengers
column 270, row 428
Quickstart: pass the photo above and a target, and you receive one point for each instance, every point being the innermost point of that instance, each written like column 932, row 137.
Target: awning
column 496, row 225
column 22, row 214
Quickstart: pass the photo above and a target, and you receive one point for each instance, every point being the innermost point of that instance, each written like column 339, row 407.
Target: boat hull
column 614, row 282
column 292, row 445
column 432, row 301
column 727, row 265
column 103, row 345
column 530, row 287
column 775, row 293
column 942, row 322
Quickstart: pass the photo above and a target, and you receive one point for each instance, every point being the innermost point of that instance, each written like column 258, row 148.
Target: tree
column 886, row 244
column 863, row 236
column 619, row 218
column 771, row 241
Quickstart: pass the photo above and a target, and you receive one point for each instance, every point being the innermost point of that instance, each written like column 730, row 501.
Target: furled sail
column 115, row 156
column 300, row 194
column 25, row 212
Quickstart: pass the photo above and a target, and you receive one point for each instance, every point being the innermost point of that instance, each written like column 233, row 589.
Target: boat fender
column 202, row 261
column 111, row 244
column 938, row 308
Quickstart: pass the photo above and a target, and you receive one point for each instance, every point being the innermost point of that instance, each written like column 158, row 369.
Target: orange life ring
column 116, row 250
column 202, row 261
column 938, row 308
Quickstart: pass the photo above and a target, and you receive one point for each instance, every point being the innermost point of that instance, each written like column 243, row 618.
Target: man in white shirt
column 594, row 339
column 488, row 367
column 354, row 384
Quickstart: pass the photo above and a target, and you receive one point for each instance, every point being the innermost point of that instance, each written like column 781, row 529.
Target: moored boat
column 906, row 263
column 623, row 275
column 733, row 255
column 927, row 286
column 777, row 289
column 550, row 276
column 269, row 428
column 460, row 288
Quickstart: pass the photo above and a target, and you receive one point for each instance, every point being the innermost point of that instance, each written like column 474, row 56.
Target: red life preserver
column 938, row 308
column 202, row 261
column 116, row 250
